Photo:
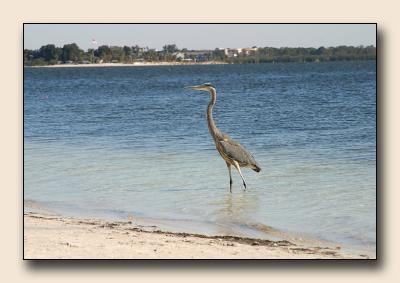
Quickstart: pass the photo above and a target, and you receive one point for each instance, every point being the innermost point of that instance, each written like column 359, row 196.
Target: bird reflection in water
column 234, row 212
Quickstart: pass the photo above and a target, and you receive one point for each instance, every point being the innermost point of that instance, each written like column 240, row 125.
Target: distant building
column 198, row 55
column 249, row 51
column 179, row 55
column 234, row 52
column 142, row 50
column 230, row 52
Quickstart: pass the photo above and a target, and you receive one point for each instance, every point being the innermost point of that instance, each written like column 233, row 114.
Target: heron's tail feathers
column 256, row 168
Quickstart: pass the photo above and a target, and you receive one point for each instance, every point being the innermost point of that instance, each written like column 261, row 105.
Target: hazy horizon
column 200, row 36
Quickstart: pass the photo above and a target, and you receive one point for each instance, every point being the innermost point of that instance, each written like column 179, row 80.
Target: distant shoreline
column 136, row 64
column 151, row 64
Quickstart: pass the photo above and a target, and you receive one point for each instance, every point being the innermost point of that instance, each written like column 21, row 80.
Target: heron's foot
column 245, row 186
column 230, row 186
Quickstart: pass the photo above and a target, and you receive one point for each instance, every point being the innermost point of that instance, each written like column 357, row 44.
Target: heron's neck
column 211, row 124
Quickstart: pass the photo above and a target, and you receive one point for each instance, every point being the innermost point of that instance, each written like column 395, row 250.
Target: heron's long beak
column 195, row 87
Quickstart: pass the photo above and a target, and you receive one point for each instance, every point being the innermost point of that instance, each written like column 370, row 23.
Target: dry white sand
column 57, row 237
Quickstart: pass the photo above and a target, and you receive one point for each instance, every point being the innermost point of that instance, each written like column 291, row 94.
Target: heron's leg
column 230, row 176
column 240, row 172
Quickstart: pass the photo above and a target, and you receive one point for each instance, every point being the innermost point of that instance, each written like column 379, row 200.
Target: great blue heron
column 231, row 151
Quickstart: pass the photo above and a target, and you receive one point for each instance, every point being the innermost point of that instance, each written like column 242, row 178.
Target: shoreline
column 52, row 236
column 163, row 63
column 136, row 64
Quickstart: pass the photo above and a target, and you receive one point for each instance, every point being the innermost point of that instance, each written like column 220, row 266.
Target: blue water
column 121, row 141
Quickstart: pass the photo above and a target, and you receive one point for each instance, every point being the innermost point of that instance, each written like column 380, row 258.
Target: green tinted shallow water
column 114, row 142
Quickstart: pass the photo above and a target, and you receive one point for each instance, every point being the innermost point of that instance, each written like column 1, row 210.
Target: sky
column 200, row 36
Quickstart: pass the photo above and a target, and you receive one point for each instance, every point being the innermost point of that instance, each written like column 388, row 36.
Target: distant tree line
column 70, row 53
column 286, row 54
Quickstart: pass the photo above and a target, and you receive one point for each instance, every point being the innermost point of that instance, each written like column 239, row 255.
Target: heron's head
column 203, row 87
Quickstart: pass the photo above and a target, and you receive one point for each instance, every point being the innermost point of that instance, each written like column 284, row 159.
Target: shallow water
column 125, row 141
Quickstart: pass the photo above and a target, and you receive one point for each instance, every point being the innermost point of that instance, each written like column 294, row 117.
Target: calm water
column 121, row 141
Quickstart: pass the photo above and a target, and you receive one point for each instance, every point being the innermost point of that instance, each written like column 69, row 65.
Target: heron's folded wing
column 237, row 152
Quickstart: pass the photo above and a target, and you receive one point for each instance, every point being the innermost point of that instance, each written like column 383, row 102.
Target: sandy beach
column 49, row 236
column 135, row 64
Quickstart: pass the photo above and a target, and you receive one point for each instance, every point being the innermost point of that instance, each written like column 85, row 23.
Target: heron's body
column 230, row 150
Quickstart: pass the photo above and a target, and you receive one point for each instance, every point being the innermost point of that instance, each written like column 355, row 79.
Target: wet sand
column 48, row 236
